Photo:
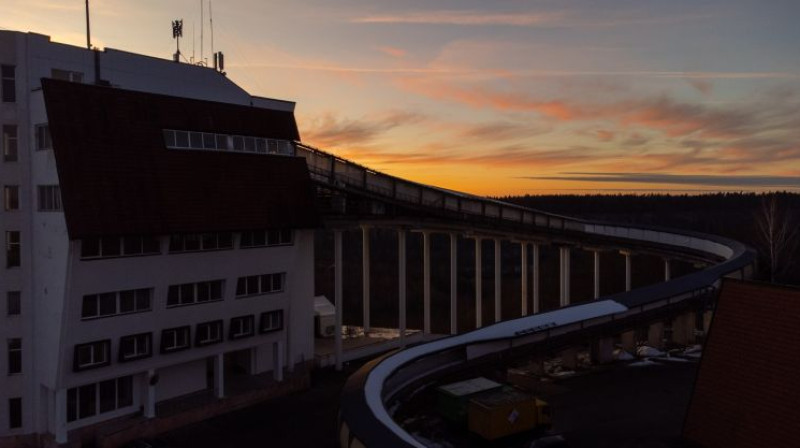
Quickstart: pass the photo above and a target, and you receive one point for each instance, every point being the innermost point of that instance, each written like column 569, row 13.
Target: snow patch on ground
column 622, row 355
column 645, row 351
column 644, row 363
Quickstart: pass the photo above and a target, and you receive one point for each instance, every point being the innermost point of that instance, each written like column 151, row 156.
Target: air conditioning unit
column 324, row 317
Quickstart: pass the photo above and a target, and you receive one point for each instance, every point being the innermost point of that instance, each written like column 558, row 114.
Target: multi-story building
column 157, row 236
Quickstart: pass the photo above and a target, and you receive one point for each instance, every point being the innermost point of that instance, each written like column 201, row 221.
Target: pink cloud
column 393, row 51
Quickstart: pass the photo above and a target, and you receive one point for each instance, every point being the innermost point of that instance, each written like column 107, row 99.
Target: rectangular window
column 175, row 339
column 115, row 246
column 43, row 140
column 66, row 75
column 105, row 396
column 92, row 355
column 12, row 249
column 200, row 241
column 135, row 346
column 9, row 143
column 271, row 321
column 191, row 293
column 208, row 333
column 241, row 327
column 261, row 238
column 13, row 303
column 14, row 356
column 15, row 413
column 8, row 85
column 49, row 198
column 259, row 284
column 11, row 197
column 116, row 303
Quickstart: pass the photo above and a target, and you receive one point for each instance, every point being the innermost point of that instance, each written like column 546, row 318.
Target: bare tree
column 777, row 234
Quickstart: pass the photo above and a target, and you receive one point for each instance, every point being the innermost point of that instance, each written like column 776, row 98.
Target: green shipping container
column 452, row 400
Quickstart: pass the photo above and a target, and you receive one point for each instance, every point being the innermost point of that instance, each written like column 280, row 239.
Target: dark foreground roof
column 747, row 392
column 117, row 177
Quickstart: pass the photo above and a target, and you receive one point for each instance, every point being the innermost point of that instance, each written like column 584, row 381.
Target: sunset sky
column 502, row 97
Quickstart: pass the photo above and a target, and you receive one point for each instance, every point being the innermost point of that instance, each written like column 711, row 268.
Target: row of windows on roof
column 140, row 300
column 138, row 346
column 121, row 246
column 175, row 139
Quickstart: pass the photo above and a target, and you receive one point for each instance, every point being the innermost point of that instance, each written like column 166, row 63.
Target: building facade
column 157, row 236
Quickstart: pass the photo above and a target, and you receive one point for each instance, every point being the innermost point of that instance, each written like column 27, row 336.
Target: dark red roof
column 117, row 177
column 747, row 392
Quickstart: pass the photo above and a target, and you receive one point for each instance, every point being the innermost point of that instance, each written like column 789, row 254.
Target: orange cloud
column 393, row 51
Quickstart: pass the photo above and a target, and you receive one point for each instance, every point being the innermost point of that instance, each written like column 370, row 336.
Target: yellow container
column 508, row 411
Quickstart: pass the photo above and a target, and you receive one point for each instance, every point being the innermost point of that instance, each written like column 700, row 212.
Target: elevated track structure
column 353, row 196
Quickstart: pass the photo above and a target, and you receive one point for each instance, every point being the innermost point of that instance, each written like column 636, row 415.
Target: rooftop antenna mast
column 88, row 34
column 211, row 23
column 202, row 26
column 177, row 33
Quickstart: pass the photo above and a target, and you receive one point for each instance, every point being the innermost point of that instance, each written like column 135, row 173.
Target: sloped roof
column 117, row 177
column 747, row 390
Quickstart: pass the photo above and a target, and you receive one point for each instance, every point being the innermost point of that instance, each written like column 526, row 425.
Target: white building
column 145, row 255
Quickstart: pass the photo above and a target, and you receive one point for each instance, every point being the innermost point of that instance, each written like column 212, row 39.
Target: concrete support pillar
column 149, row 386
column 498, row 281
column 219, row 375
column 627, row 269
column 564, row 258
column 667, row 270
column 365, row 264
column 629, row 341
column 596, row 274
column 337, row 294
column 277, row 360
column 478, row 283
column 569, row 358
column 401, row 282
column 453, row 283
column 426, row 283
column 524, row 251
column 682, row 331
column 60, row 416
column 655, row 335
column 535, row 284
column 603, row 351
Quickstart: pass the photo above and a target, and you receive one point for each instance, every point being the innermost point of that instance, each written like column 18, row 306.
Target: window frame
column 267, row 317
column 178, row 242
column 43, row 139
column 15, row 412
column 14, row 356
column 214, row 326
column 187, row 329
column 141, row 338
column 98, row 297
column 122, row 393
column 13, row 298
column 245, row 283
column 175, row 293
column 101, row 347
column 10, row 197
column 119, row 242
column 237, row 330
column 8, row 83
column 48, row 198
column 10, row 142
column 13, row 248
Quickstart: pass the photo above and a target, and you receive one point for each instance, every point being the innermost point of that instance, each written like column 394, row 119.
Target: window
column 66, row 75
column 105, row 396
column 200, row 241
column 259, row 284
column 116, row 303
column 208, row 333
column 11, row 197
column 260, row 238
column 115, row 246
column 14, row 356
column 15, row 413
column 175, row 139
column 13, row 303
column 241, row 327
column 175, row 339
column 136, row 346
column 271, row 321
column 12, row 249
column 43, row 140
column 191, row 293
column 92, row 355
column 49, row 198
column 8, row 86
column 9, row 143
